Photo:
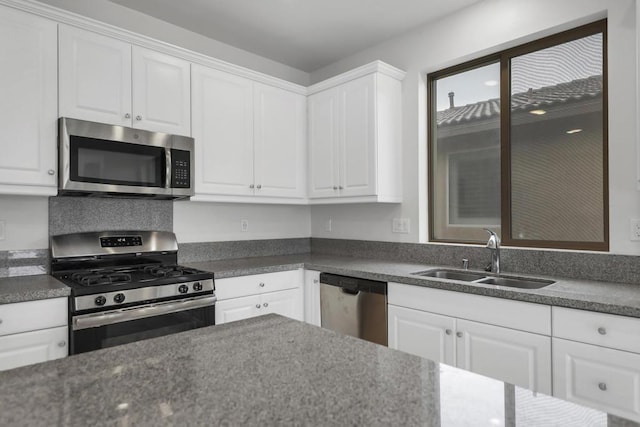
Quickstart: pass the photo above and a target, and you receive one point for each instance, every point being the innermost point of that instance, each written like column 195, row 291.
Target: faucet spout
column 494, row 245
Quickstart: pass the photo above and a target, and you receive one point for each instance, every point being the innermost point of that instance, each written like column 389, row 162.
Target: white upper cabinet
column 109, row 81
column 223, row 132
column 355, row 142
column 279, row 137
column 250, row 139
column 28, row 105
column 161, row 92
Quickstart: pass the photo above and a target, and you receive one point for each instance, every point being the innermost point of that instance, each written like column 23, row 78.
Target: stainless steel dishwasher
column 356, row 307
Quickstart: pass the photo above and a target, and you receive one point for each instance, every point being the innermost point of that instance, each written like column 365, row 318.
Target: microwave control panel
column 180, row 169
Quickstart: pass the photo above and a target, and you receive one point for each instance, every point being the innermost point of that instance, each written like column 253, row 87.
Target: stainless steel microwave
column 97, row 159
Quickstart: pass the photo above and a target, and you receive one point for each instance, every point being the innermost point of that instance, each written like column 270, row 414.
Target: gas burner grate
column 96, row 278
column 168, row 270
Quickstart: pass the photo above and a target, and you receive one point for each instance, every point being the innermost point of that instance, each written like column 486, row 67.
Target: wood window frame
column 503, row 58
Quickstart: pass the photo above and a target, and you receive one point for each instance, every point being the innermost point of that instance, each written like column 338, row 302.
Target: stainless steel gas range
column 126, row 286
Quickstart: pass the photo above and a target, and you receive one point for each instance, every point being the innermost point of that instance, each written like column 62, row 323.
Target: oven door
column 107, row 329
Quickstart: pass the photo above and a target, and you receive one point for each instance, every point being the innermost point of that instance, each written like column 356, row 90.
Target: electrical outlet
column 635, row 229
column 2, row 230
column 327, row 225
column 244, row 224
column 400, row 225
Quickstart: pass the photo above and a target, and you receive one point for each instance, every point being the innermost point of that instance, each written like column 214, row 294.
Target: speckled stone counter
column 268, row 371
column 613, row 298
column 29, row 288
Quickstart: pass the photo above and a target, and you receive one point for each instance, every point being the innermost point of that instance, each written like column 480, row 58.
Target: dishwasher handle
column 353, row 285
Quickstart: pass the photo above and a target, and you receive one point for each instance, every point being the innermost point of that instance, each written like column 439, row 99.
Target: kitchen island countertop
column 268, row 370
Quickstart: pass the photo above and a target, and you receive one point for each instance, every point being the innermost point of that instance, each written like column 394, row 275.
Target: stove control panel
column 120, row 241
column 112, row 299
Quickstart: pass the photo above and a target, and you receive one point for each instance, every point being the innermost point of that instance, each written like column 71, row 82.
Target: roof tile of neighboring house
column 576, row 90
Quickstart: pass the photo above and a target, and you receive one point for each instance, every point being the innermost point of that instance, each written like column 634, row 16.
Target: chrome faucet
column 494, row 244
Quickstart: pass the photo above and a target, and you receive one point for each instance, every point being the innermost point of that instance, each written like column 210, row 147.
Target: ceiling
column 304, row 34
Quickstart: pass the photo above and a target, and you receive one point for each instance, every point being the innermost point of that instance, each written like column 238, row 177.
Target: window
column 518, row 144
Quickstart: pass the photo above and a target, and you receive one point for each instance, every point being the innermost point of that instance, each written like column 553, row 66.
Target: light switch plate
column 244, row 224
column 400, row 225
column 635, row 230
column 327, row 225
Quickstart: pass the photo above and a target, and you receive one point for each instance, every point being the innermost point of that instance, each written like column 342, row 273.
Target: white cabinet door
column 279, row 145
column 599, row 377
column 312, row 297
column 423, row 334
column 323, row 144
column 28, row 105
column 287, row 303
column 33, row 347
column 161, row 92
column 357, row 137
column 95, row 77
column 517, row 357
column 234, row 309
column 222, row 125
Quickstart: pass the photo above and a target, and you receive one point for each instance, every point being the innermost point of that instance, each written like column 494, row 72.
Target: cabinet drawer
column 33, row 347
column 520, row 315
column 33, row 315
column 607, row 330
column 234, row 287
column 599, row 377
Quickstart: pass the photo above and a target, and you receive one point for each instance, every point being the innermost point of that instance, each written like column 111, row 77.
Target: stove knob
column 119, row 298
column 100, row 300
column 183, row 289
column 197, row 286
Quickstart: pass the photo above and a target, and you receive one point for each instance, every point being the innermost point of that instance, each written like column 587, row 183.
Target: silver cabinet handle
column 459, row 334
column 258, row 186
column 257, row 305
column 335, row 187
column 251, row 185
column 447, row 331
column 340, row 187
column 138, row 118
column 62, row 343
column 315, row 280
column 266, row 304
column 127, row 116
column 261, row 285
column 51, row 172
column 602, row 331
column 602, row 386
column 0, row 321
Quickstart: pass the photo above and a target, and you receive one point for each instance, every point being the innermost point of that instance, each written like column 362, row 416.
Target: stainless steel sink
column 516, row 283
column 450, row 274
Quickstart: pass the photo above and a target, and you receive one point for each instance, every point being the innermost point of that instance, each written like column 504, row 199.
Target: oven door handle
column 94, row 320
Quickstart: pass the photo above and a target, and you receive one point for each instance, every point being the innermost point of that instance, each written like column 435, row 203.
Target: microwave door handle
column 167, row 152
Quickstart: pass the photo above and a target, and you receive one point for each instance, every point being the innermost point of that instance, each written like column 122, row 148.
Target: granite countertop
column 268, row 370
column 613, row 298
column 30, row 288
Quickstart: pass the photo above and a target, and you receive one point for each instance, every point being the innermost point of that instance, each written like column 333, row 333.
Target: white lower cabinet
column 599, row 377
column 312, row 297
column 518, row 357
column 33, row 332
column 596, row 360
column 33, row 347
column 250, row 296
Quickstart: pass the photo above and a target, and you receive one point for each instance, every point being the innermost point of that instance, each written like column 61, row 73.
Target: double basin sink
column 469, row 276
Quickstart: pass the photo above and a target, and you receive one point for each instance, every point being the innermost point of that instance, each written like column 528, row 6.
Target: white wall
column 129, row 19
column 215, row 222
column 483, row 28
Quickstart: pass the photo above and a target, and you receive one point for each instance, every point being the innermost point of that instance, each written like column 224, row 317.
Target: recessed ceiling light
column 491, row 83
column 538, row 112
column 572, row 131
